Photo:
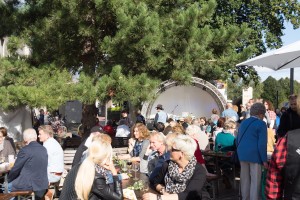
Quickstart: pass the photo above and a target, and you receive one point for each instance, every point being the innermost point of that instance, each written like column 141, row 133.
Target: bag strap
column 245, row 132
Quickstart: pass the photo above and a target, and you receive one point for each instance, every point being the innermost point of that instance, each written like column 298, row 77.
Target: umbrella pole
column 292, row 81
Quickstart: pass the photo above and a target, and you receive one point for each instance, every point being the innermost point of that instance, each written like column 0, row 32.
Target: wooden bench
column 118, row 142
column 68, row 158
column 19, row 194
column 122, row 150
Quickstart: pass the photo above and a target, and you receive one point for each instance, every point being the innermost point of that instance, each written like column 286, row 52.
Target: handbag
column 234, row 157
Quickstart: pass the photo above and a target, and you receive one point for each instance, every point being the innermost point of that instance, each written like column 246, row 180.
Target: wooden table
column 221, row 159
column 129, row 182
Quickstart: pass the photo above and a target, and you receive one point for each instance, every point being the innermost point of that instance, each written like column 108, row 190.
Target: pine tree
column 122, row 49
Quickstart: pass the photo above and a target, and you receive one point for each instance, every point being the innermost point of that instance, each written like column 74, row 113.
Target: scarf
column 104, row 172
column 137, row 148
column 176, row 182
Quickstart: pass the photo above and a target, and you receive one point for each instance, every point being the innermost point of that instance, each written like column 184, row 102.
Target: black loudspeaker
column 73, row 111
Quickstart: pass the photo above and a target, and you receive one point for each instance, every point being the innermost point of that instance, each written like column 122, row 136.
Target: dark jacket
column 30, row 169
column 290, row 120
column 194, row 186
column 100, row 190
column 291, row 168
column 77, row 157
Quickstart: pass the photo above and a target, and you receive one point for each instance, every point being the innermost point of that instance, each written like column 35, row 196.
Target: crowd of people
column 170, row 156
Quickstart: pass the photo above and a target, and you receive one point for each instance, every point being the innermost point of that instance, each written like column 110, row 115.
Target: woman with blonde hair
column 181, row 177
column 225, row 139
column 95, row 178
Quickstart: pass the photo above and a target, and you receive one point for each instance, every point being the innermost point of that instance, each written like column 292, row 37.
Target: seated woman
column 181, row 177
column 95, row 178
column 192, row 131
column 138, row 146
column 225, row 139
column 6, row 147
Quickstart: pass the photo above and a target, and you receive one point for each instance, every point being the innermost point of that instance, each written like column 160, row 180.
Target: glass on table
column 135, row 168
column 129, row 165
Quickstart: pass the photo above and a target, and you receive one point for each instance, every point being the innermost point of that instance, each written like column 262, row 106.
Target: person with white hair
column 195, row 132
column 158, row 153
column 30, row 169
column 181, row 177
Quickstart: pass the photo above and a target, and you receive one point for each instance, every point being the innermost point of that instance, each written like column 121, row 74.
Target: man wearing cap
column 96, row 130
column 160, row 116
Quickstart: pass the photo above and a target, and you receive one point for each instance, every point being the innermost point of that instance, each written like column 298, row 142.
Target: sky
column 290, row 36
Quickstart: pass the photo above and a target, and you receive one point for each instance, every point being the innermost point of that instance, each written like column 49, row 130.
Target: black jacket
column 194, row 186
column 290, row 120
column 77, row 157
column 291, row 168
column 100, row 190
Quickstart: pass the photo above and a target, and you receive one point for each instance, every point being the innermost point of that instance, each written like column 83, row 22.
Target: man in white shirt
column 55, row 153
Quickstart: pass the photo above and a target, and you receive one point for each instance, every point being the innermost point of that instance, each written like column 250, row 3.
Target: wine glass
column 135, row 168
column 129, row 164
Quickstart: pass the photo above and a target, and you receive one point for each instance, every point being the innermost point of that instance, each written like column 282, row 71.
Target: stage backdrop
column 180, row 100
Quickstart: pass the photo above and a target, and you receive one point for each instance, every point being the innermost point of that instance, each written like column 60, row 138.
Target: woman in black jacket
column 181, row 178
column 95, row 178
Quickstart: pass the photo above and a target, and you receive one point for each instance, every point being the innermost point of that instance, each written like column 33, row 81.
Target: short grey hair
column 257, row 108
column 192, row 130
column 160, row 136
column 29, row 135
column 186, row 144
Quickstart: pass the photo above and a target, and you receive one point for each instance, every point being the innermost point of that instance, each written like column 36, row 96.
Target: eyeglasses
column 175, row 150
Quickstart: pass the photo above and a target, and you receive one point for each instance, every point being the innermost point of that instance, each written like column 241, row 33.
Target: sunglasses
column 175, row 150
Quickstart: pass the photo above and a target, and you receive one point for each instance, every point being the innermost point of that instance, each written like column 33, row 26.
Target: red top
column 198, row 154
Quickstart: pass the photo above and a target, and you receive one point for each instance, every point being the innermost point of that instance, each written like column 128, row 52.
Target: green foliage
column 122, row 49
column 272, row 87
column 235, row 88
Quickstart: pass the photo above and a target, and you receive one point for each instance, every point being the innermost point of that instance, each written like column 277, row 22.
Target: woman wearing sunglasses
column 181, row 177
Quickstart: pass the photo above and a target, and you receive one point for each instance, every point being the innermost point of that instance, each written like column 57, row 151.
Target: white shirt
column 55, row 155
column 123, row 131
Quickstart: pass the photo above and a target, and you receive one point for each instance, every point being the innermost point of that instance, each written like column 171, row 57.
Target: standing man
column 290, row 120
column 42, row 117
column 160, row 116
column 55, row 153
column 30, row 169
column 229, row 112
